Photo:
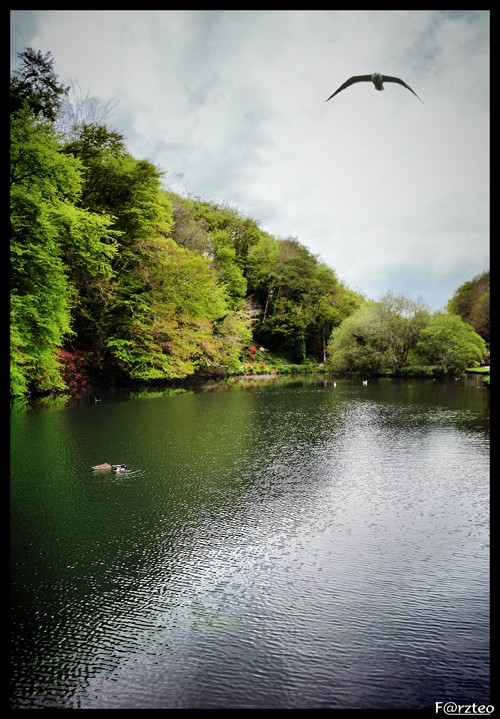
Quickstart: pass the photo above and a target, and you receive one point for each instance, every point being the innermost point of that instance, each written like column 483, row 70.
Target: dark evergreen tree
column 36, row 86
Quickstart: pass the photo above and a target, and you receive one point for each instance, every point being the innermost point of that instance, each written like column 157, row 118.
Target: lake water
column 273, row 544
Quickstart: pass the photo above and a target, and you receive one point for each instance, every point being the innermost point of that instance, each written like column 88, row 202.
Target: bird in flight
column 378, row 82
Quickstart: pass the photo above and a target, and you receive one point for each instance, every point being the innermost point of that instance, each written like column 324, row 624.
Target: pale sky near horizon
column 390, row 192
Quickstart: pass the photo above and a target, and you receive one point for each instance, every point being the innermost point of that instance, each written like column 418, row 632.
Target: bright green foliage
column 164, row 324
column 129, row 191
column 378, row 336
column 451, row 344
column 354, row 345
column 197, row 223
column 228, row 270
column 262, row 270
column 243, row 232
column 116, row 183
column 221, row 234
column 147, row 285
column 142, row 213
column 164, row 319
column 49, row 237
column 471, row 302
column 385, row 336
column 301, row 299
column 235, row 333
column 400, row 321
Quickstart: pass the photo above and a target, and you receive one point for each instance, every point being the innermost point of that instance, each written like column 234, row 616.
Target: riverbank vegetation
column 116, row 280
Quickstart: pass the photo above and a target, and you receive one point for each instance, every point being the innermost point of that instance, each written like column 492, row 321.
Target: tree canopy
column 34, row 85
column 471, row 302
column 54, row 248
column 450, row 343
column 145, row 285
column 384, row 336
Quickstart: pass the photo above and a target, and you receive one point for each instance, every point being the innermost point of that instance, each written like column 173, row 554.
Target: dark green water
column 272, row 544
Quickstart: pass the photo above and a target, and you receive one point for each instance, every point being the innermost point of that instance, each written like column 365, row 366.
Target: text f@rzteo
column 454, row 708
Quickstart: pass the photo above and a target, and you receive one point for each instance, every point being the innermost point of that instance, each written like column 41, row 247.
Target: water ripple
column 326, row 549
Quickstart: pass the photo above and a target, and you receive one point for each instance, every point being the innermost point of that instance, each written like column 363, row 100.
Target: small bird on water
column 378, row 82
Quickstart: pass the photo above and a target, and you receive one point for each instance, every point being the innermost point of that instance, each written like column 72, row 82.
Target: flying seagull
column 378, row 82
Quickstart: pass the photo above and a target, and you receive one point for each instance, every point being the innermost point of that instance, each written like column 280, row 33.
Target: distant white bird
column 365, row 381
column 378, row 82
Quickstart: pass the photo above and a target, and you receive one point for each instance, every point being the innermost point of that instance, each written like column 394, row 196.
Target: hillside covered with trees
column 116, row 280
column 471, row 302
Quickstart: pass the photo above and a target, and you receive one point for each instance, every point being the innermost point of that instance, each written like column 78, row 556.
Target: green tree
column 354, row 345
column 127, row 190
column 165, row 328
column 378, row 336
column 301, row 298
column 102, row 153
column 285, row 328
column 480, row 315
column 34, row 85
column 450, row 344
column 280, row 271
column 176, row 307
column 147, row 285
column 227, row 268
column 242, row 232
column 400, row 320
column 471, row 302
column 188, row 229
column 329, row 303
column 262, row 271
column 52, row 243
column 234, row 332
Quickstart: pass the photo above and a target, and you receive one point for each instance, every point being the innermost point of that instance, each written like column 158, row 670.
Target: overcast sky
column 390, row 192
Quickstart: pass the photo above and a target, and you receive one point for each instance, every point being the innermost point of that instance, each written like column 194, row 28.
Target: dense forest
column 117, row 280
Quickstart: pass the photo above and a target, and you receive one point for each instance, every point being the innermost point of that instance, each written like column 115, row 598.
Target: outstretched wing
column 351, row 81
column 387, row 78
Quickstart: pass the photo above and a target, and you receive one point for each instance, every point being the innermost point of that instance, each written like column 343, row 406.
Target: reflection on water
column 275, row 545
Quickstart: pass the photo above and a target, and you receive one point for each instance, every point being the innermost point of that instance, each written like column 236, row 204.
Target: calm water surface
column 272, row 545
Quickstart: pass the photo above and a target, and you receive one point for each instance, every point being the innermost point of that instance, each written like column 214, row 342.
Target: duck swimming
column 114, row 467
column 378, row 81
